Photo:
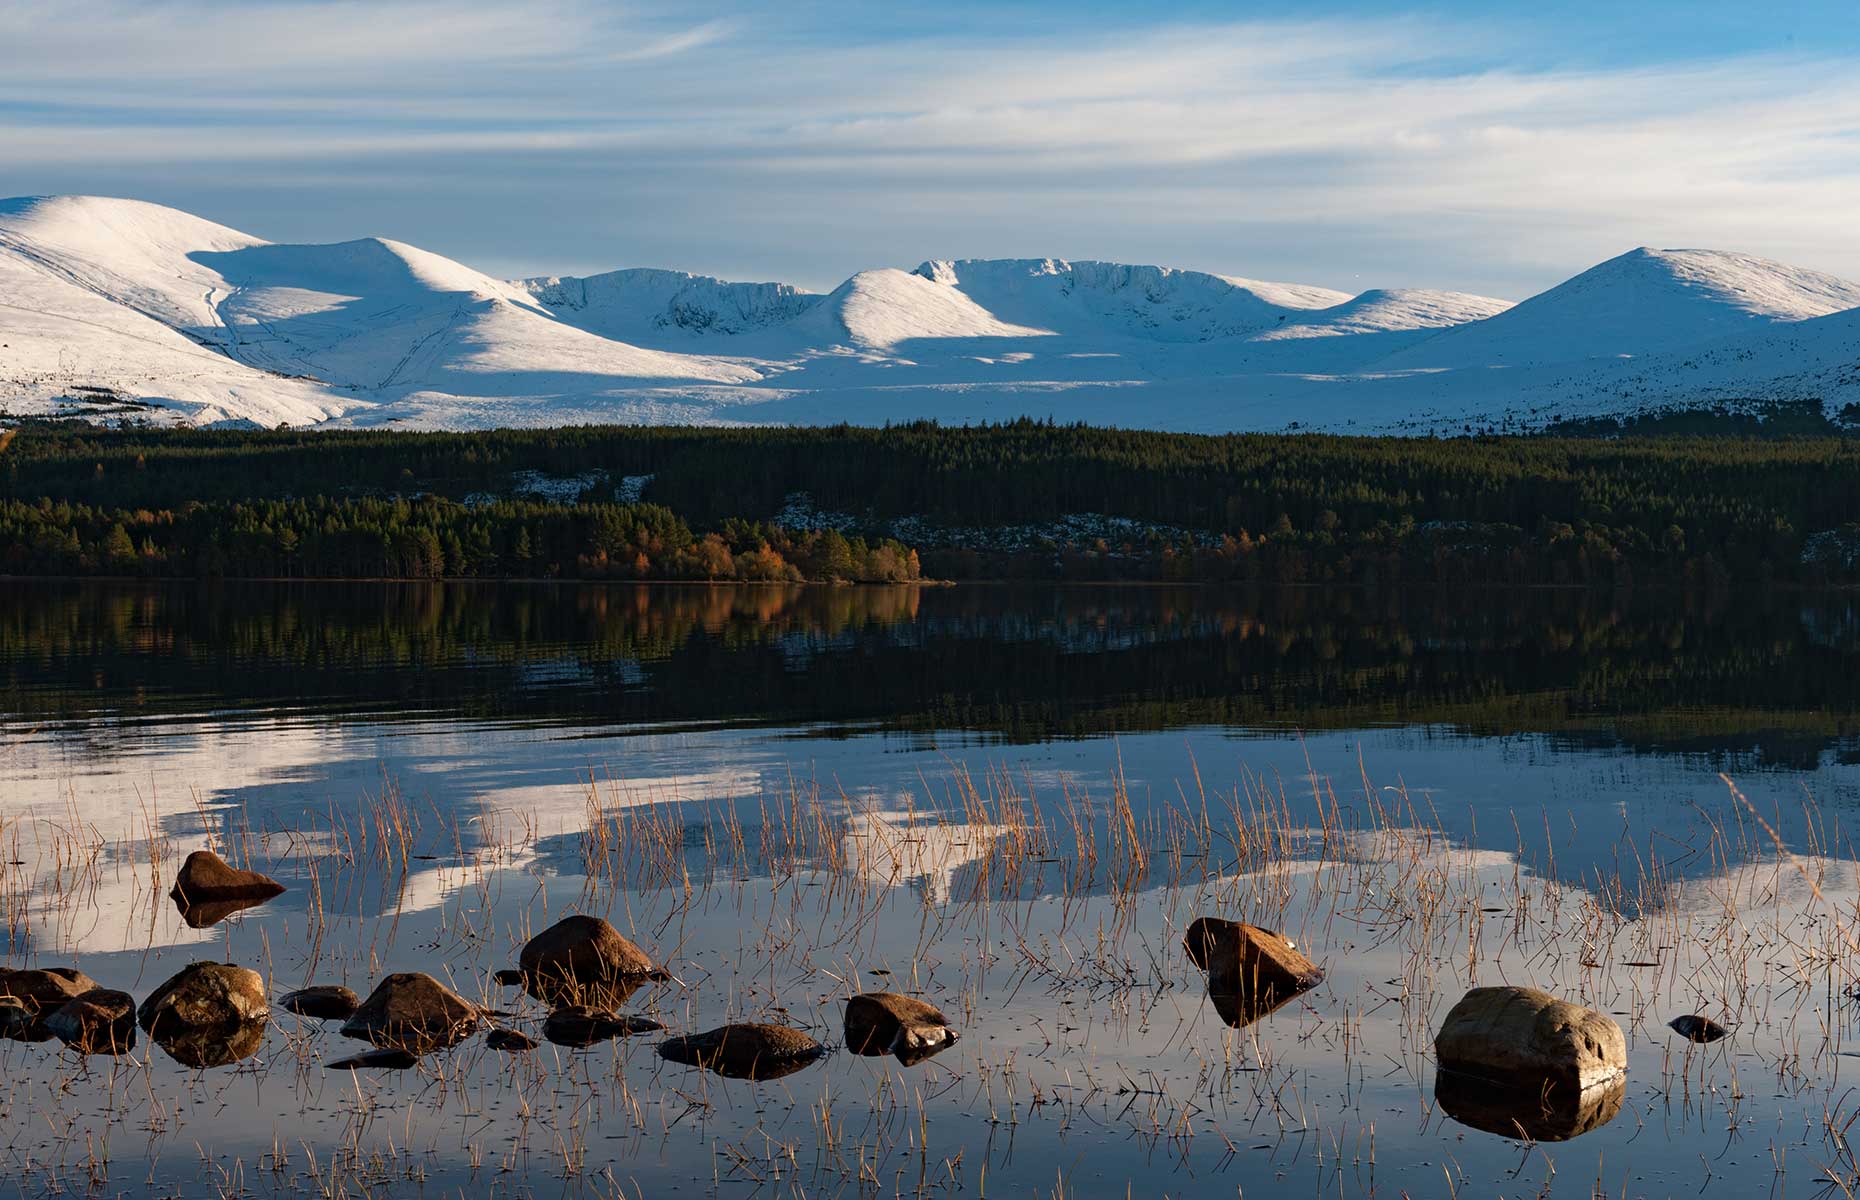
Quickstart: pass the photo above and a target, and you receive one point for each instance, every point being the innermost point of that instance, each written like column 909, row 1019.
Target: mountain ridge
column 121, row 309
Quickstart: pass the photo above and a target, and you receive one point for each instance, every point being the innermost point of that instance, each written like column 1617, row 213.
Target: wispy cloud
column 1403, row 143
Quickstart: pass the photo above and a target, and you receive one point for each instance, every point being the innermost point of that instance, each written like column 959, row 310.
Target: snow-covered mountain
column 115, row 309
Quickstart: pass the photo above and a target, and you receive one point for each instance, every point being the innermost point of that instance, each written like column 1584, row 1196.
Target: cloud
column 1416, row 139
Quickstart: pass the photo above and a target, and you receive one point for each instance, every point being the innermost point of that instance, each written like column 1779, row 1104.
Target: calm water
column 1010, row 800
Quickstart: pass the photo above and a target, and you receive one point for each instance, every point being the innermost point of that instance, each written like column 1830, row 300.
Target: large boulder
column 321, row 1002
column 1523, row 1037
column 584, row 960
column 38, row 993
column 578, row 1025
column 1526, row 1113
column 101, row 1021
column 205, row 996
column 745, row 1051
column 207, row 878
column 413, row 1012
column 1245, row 960
column 890, row 1023
column 45, row 988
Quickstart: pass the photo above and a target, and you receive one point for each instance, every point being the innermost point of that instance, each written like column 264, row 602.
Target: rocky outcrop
column 1538, row 1115
column 205, row 995
column 207, row 878
column 580, row 1025
column 583, row 960
column 38, row 992
column 1259, row 967
column 1695, row 1028
column 414, row 1012
column 891, row 1023
column 322, row 1002
column 1530, row 1039
column 101, row 1021
column 745, row 1051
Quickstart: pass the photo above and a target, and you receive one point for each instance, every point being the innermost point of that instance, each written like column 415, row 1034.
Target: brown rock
column 584, row 960
column 17, row 1019
column 1530, row 1039
column 1240, row 1010
column 1245, row 960
column 581, row 1025
column 100, row 1021
column 745, row 1051
column 45, row 989
column 206, row 878
column 890, row 1023
column 414, row 1012
column 205, row 995
column 510, row 1041
column 1545, row 1114
column 322, row 1002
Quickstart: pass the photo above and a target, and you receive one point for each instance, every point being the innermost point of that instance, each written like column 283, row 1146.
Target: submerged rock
column 582, row 960
column 1530, row 1039
column 510, row 1041
column 1544, row 1114
column 211, row 1045
column 891, row 1023
column 205, row 996
column 1695, row 1028
column 745, row 1051
column 1245, row 960
column 388, row 1059
column 207, row 878
column 582, row 1025
column 414, row 1012
column 322, row 1002
column 101, row 1021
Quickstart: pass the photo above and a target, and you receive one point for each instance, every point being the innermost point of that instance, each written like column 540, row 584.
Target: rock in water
column 510, row 1041
column 745, row 1051
column 1239, row 1010
column 414, row 1012
column 584, row 960
column 1695, row 1028
column 1521, row 1036
column 1245, row 960
column 40, row 993
column 101, row 1021
column 322, row 1002
column 1533, row 1114
column 45, row 988
column 580, row 1025
column 205, row 995
column 16, row 1018
column 890, row 1023
column 207, row 878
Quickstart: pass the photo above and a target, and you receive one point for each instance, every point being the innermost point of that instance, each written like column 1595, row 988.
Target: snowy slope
column 1642, row 302
column 115, row 308
column 653, row 307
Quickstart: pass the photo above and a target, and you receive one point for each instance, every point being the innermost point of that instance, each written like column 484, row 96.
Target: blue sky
column 1491, row 148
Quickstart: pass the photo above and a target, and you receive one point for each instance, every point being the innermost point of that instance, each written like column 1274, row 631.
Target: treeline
column 997, row 501
column 426, row 538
